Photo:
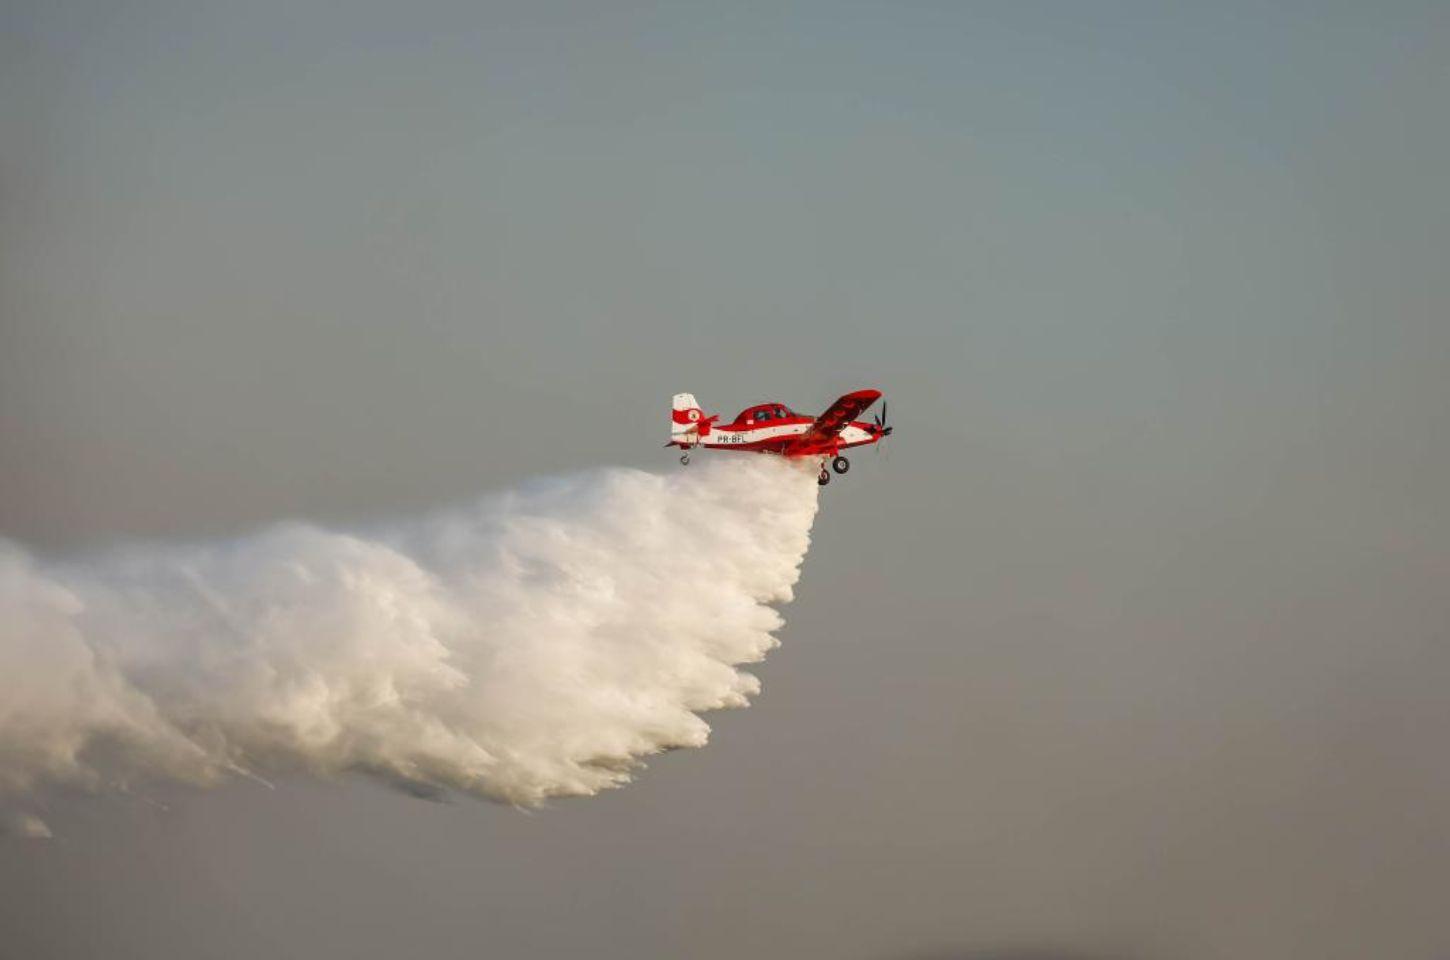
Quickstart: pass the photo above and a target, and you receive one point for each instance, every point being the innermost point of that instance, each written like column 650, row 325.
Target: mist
column 534, row 644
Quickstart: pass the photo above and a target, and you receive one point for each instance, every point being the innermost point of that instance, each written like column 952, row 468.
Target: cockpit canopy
column 764, row 413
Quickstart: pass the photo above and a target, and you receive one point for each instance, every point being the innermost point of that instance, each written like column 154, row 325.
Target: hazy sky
column 1132, row 645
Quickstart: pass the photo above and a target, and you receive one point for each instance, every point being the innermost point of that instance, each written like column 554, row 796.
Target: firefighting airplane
column 774, row 428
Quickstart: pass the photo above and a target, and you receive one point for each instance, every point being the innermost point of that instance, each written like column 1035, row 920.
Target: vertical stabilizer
column 686, row 419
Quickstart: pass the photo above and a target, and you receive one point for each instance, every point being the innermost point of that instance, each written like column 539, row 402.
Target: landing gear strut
column 840, row 465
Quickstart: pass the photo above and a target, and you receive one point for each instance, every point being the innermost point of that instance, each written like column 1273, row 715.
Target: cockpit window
column 762, row 414
column 781, row 413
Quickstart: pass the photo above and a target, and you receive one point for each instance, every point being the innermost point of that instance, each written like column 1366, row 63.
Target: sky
column 1130, row 645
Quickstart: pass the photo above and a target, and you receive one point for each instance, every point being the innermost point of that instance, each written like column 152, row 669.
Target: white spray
column 537, row 644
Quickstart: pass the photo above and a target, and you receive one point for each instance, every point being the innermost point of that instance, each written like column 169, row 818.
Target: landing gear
column 684, row 459
column 840, row 465
column 825, row 476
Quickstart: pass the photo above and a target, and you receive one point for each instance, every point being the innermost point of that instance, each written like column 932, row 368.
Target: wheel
column 685, row 459
column 840, row 464
column 824, row 478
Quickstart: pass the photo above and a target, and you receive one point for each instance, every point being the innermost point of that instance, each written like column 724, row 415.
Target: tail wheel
column 840, row 465
column 824, row 478
column 685, row 459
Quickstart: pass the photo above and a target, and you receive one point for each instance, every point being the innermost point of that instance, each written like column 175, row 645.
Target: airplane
column 775, row 428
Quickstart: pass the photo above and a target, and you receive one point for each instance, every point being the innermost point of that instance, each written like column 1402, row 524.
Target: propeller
column 882, row 430
column 880, row 418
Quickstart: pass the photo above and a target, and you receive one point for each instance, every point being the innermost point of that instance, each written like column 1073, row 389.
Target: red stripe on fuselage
column 765, row 424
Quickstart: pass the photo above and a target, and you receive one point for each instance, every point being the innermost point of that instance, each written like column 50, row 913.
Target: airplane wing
column 830, row 424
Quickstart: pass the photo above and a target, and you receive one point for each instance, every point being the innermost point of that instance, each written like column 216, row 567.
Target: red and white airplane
column 774, row 428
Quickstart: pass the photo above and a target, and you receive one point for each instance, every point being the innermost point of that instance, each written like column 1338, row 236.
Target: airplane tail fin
column 687, row 420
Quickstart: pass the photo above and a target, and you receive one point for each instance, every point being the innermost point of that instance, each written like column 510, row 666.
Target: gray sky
column 1132, row 645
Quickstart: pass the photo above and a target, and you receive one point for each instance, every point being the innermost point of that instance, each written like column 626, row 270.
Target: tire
column 840, row 464
column 684, row 459
column 824, row 478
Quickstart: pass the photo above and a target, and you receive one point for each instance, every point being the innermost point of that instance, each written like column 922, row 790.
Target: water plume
column 537, row 643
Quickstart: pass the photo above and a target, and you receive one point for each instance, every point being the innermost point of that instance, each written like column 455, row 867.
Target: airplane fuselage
column 773, row 436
